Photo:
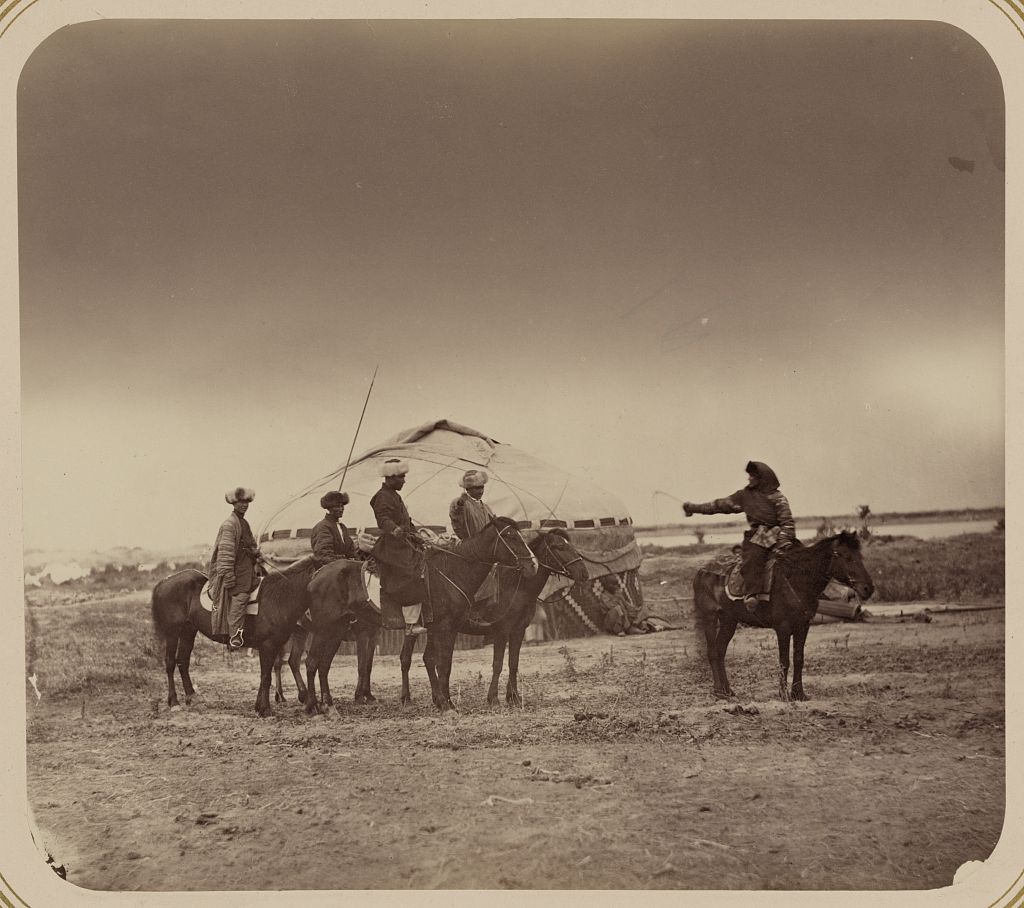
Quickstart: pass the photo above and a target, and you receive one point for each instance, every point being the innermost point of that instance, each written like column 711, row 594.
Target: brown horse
column 799, row 578
column 339, row 610
column 178, row 617
column 452, row 577
column 555, row 555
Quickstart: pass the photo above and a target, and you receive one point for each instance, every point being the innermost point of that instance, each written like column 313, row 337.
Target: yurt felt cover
column 536, row 494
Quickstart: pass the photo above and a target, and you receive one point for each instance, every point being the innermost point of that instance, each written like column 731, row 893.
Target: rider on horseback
column 331, row 539
column 771, row 525
column 232, row 569
column 393, row 518
column 469, row 513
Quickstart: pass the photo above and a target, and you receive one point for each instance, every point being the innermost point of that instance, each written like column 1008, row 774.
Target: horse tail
column 705, row 609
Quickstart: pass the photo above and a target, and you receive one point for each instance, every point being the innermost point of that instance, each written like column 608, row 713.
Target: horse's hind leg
column 783, row 633
column 298, row 644
column 312, row 665
column 184, row 658
column 726, row 628
column 268, row 656
column 327, row 654
column 799, row 639
column 170, row 661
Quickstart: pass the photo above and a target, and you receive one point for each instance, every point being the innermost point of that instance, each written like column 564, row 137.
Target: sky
column 645, row 251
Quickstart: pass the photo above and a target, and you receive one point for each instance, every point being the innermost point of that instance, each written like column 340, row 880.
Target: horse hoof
column 279, row 698
column 302, row 696
column 370, row 698
column 174, row 708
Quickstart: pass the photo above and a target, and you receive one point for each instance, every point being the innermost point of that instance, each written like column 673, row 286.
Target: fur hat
column 333, row 500
column 394, row 467
column 473, row 478
column 239, row 494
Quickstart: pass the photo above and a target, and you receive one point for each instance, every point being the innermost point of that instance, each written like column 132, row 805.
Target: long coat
column 469, row 515
column 232, row 569
column 331, row 541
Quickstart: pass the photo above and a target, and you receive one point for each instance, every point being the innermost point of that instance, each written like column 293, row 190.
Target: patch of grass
column 74, row 649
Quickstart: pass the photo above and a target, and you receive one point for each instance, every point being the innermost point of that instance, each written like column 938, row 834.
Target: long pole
column 358, row 426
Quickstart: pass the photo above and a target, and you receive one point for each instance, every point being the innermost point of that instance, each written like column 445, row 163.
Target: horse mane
column 502, row 522
column 846, row 537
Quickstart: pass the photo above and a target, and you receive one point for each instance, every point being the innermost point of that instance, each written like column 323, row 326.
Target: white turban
column 394, row 467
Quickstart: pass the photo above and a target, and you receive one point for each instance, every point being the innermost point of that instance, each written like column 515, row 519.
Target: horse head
column 509, row 547
column 847, row 566
column 556, row 553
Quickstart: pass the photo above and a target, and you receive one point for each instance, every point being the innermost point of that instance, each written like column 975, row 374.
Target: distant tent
column 536, row 494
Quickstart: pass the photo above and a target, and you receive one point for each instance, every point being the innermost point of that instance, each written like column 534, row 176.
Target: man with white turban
column 393, row 518
column 232, row 569
column 469, row 513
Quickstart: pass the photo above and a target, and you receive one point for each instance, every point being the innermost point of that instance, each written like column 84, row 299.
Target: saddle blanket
column 252, row 607
column 728, row 568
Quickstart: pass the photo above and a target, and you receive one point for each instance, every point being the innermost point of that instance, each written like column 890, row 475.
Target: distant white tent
column 532, row 492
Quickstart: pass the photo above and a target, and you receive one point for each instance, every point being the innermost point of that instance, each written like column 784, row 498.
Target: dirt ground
column 621, row 771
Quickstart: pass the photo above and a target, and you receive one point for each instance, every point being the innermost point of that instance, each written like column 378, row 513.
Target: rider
column 393, row 517
column 232, row 569
column 469, row 513
column 772, row 529
column 331, row 540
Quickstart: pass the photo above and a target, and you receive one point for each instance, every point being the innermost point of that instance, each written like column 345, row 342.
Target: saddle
column 728, row 568
column 252, row 607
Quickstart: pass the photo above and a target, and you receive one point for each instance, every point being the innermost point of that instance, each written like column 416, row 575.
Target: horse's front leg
column 784, row 634
column 278, row 689
column 515, row 645
column 327, row 654
column 294, row 661
column 442, row 647
column 268, row 656
column 312, row 665
column 799, row 639
column 408, row 645
column 170, row 663
column 366, row 643
column 497, row 661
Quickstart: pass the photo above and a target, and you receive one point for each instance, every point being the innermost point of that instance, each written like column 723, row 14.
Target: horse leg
column 278, row 689
column 327, row 655
column 726, row 628
column 515, row 645
column 268, row 656
column 170, row 657
column 184, row 658
column 366, row 643
column 799, row 638
column 442, row 648
column 312, row 665
column 783, row 633
column 497, row 661
column 294, row 661
column 408, row 645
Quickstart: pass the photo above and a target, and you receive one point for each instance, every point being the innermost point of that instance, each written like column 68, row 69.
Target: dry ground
column 621, row 771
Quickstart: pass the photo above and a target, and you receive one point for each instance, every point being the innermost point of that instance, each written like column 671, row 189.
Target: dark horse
column 555, row 555
column 800, row 576
column 452, row 578
column 340, row 609
column 178, row 617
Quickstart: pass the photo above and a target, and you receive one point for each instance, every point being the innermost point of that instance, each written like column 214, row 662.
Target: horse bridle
column 563, row 568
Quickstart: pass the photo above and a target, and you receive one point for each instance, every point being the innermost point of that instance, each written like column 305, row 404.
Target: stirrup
column 237, row 640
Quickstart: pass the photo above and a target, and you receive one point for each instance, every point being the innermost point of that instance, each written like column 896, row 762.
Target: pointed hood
column 767, row 481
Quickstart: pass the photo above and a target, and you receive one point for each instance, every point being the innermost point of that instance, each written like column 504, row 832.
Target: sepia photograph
column 509, row 452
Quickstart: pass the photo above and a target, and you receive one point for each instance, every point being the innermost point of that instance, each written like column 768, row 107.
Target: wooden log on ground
column 848, row 611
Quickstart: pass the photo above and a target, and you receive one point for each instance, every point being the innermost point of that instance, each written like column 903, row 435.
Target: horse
column 800, row 575
column 452, row 577
column 555, row 555
column 340, row 609
column 178, row 617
